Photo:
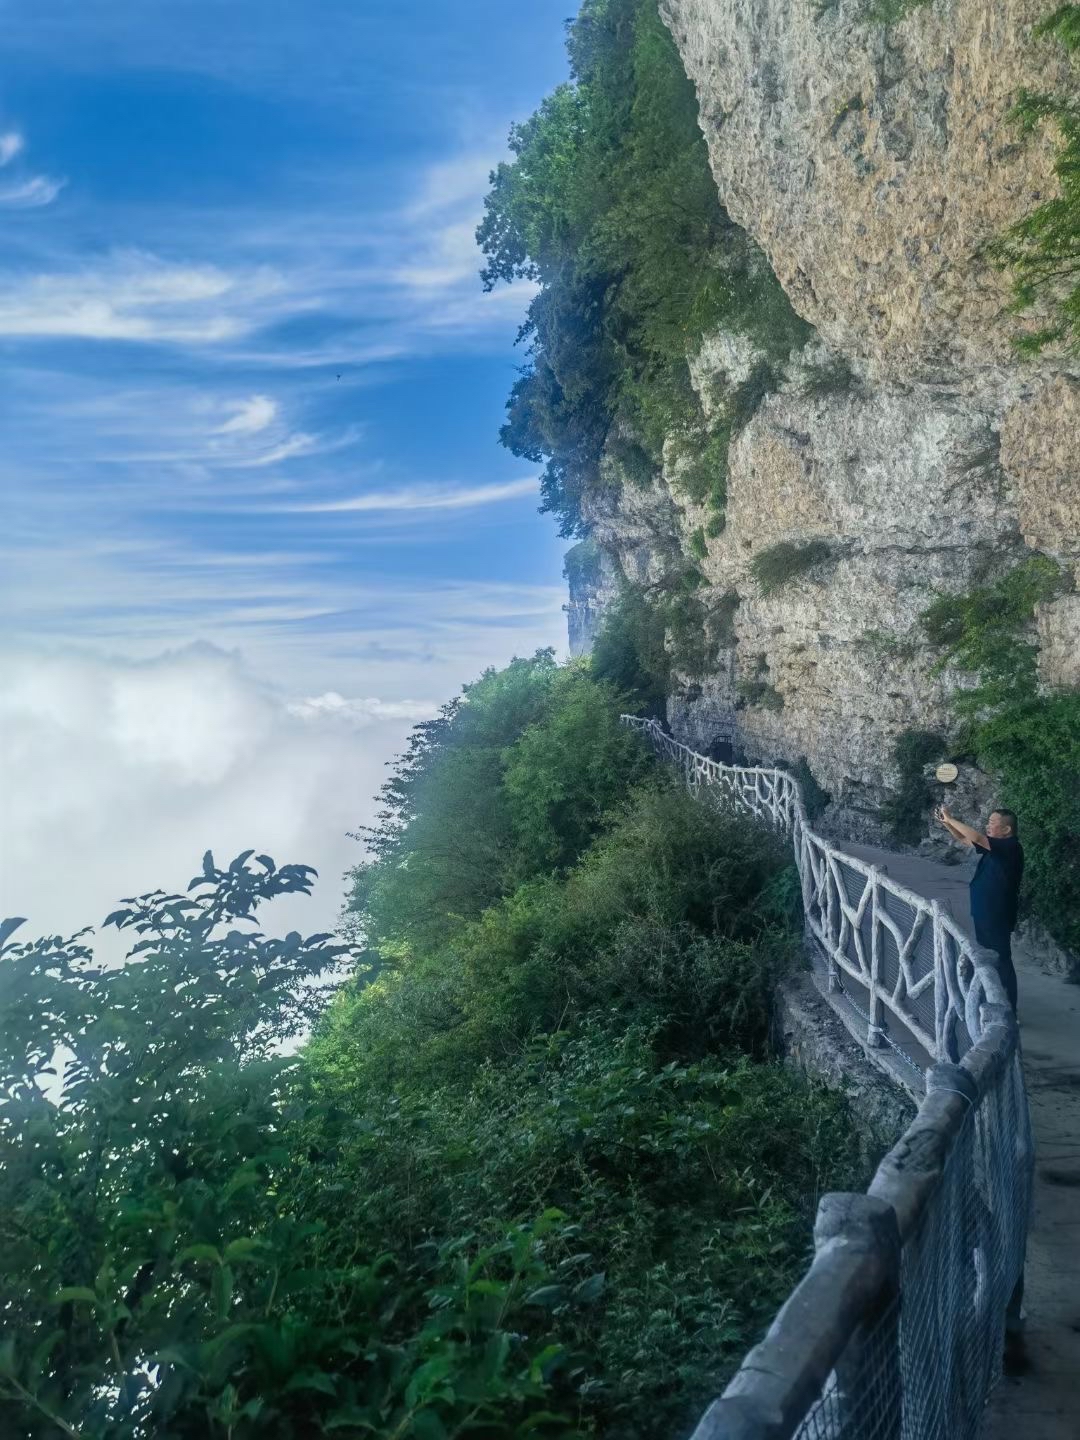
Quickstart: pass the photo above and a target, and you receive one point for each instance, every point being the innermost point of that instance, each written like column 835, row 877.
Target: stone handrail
column 896, row 1330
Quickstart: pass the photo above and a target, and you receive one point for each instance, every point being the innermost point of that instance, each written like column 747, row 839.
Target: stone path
column 1043, row 1404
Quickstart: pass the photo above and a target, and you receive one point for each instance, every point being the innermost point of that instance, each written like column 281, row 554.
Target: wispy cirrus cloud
column 249, row 416
column 139, row 297
column 11, row 144
column 32, row 192
column 264, row 296
column 419, row 497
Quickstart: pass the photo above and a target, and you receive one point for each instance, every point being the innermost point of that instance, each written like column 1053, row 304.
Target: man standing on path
column 995, row 886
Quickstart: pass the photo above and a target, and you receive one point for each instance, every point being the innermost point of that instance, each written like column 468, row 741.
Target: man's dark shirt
column 995, row 886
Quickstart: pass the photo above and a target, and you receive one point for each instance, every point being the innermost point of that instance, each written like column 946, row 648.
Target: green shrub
column 906, row 809
column 835, row 377
column 1033, row 745
column 686, row 1191
column 698, row 548
column 787, row 560
column 760, row 692
column 634, row 461
column 755, row 689
column 1031, row 741
column 988, row 631
column 686, row 622
column 890, row 12
column 742, row 403
column 564, row 773
column 419, row 885
column 704, row 480
column 888, row 645
column 815, row 798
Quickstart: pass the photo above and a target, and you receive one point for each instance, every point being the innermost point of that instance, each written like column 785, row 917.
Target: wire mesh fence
column 896, row 1331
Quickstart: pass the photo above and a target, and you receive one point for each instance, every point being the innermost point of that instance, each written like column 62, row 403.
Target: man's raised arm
column 959, row 831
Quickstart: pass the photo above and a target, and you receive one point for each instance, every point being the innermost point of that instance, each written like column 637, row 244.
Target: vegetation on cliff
column 1043, row 249
column 610, row 205
column 534, row 1174
column 1029, row 738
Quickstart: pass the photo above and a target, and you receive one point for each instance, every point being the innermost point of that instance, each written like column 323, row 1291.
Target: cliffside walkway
column 896, row 1331
column 1044, row 1402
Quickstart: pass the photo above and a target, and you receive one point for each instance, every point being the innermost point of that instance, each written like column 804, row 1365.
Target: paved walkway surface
column 1044, row 1403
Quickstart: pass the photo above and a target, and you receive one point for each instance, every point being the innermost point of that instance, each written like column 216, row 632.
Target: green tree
column 535, row 1178
column 609, row 203
column 566, row 772
column 438, row 852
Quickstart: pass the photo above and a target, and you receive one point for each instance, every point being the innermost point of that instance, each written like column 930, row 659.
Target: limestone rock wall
column 871, row 165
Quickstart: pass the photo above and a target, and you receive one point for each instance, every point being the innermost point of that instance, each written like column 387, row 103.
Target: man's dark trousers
column 1000, row 941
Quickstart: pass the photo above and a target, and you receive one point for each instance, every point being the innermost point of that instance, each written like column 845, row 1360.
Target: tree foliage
column 1028, row 737
column 988, row 630
column 533, row 1174
column 1033, row 745
column 610, row 206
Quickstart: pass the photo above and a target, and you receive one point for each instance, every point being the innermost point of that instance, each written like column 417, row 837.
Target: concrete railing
column 896, row 1330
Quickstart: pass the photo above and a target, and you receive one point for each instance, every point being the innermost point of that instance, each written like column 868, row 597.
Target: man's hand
column 959, row 831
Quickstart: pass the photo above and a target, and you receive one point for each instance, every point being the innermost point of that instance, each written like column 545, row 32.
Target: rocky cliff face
column 592, row 583
column 871, row 165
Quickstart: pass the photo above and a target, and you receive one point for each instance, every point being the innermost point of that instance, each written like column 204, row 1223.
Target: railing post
column 868, row 1373
column 941, row 986
column 875, row 1032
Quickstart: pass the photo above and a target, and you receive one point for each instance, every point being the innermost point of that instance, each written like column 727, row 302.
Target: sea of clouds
column 117, row 775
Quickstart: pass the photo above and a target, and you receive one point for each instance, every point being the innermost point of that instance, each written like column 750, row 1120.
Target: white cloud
column 31, row 194
column 421, row 497
column 135, row 296
column 251, row 416
column 11, row 143
column 333, row 706
column 287, row 449
column 117, row 776
column 462, row 180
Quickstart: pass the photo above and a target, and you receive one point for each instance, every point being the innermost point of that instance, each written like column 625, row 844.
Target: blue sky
column 252, row 386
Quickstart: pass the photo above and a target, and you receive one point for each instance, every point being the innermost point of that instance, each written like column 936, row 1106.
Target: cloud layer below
column 117, row 776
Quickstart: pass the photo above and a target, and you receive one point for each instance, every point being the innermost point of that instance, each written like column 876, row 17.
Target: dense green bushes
column 533, row 1175
column 1031, row 740
column 1033, row 745
column 609, row 203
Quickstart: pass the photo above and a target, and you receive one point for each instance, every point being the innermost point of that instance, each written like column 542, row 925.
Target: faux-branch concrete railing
column 896, row 1330
column 851, row 907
